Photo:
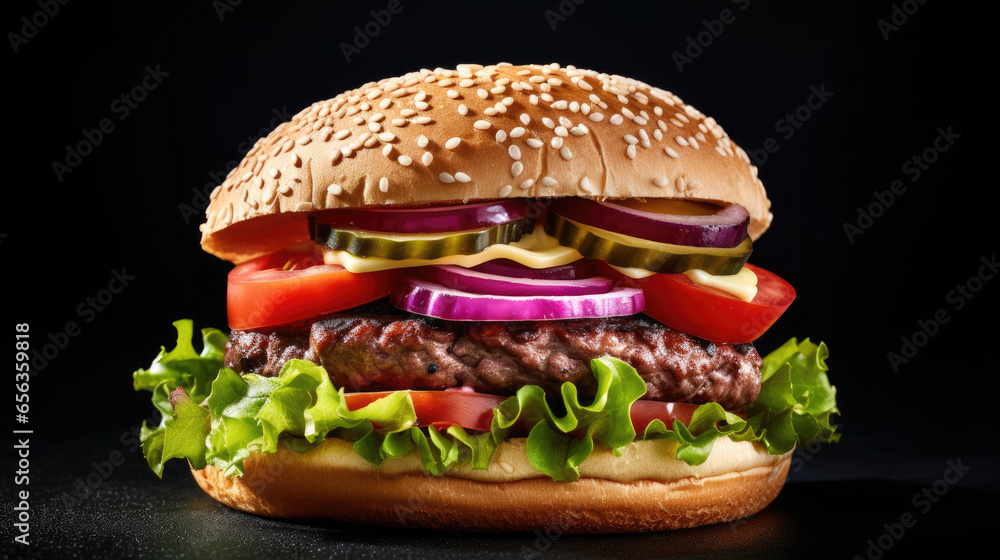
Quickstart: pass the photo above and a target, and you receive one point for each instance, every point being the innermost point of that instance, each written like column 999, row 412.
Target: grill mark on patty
column 378, row 347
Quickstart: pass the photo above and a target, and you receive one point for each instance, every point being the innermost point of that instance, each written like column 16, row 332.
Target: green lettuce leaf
column 220, row 417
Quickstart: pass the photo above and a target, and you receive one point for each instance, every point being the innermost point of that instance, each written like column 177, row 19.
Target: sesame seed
column 561, row 104
column 616, row 119
column 490, row 111
column 525, row 119
column 335, row 189
column 421, row 105
column 631, row 151
column 693, row 142
column 644, row 138
column 404, row 160
column 422, row 141
column 549, row 181
column 335, row 156
column 341, row 134
column 482, row 93
column 561, row 131
column 596, row 117
column 463, row 110
column 583, row 84
column 273, row 173
column 453, row 143
column 527, row 183
column 386, row 137
column 481, row 125
column 501, row 136
column 446, row 178
column 681, row 140
column 383, row 184
column 671, row 152
column 631, row 139
column 427, row 158
column 296, row 160
column 657, row 134
column 386, row 150
column 680, row 183
column 462, row 177
column 407, row 113
column 546, row 97
column 533, row 99
column 514, row 152
column 557, row 142
column 517, row 132
column 565, row 153
column 497, row 90
column 628, row 114
column 534, row 143
column 720, row 150
column 422, row 120
column 374, row 126
column 657, row 110
column 640, row 121
column 693, row 185
column 467, row 83
column 420, row 96
column 507, row 101
column 578, row 130
column 516, row 168
column 565, row 122
column 660, row 181
column 586, row 185
column 376, row 117
column 505, row 191
column 452, row 93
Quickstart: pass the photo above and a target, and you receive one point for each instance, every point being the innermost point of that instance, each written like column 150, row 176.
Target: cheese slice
column 743, row 284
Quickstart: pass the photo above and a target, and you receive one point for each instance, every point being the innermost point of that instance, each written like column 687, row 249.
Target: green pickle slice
column 632, row 252
column 399, row 246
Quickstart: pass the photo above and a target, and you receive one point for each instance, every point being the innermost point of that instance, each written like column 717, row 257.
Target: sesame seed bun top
column 477, row 133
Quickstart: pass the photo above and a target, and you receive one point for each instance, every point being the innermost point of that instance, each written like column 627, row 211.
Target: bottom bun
column 645, row 489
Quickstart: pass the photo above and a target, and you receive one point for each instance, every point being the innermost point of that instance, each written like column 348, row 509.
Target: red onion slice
column 463, row 279
column 505, row 267
column 726, row 228
column 460, row 217
column 434, row 300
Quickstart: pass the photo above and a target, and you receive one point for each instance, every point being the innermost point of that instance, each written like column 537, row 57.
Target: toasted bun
column 521, row 131
column 643, row 490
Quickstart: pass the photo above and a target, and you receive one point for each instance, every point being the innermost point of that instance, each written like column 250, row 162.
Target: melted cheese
column 535, row 250
column 743, row 284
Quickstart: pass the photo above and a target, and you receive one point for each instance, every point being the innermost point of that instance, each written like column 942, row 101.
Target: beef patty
column 378, row 347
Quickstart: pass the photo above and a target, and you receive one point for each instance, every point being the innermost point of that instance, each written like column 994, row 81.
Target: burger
column 494, row 298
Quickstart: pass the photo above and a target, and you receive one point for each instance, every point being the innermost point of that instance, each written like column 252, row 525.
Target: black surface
column 130, row 209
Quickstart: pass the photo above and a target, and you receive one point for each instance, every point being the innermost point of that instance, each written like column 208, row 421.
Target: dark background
column 229, row 73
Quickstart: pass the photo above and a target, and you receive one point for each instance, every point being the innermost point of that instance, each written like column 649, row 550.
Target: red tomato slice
column 474, row 411
column 644, row 412
column 291, row 285
column 676, row 301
